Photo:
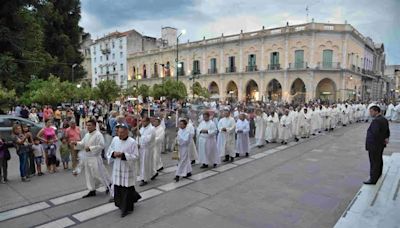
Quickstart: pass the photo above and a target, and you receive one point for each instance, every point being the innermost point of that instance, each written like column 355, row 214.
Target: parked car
column 7, row 122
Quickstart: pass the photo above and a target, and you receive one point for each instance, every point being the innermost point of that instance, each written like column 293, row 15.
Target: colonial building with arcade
column 295, row 62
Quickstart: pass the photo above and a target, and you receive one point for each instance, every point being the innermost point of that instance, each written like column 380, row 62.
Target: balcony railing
column 196, row 72
column 251, row 68
column 231, row 69
column 105, row 51
column 212, row 71
column 298, row 65
column 328, row 65
column 274, row 66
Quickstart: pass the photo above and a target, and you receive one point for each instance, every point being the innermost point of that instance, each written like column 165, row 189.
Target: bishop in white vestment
column 285, row 128
column 159, row 144
column 184, row 138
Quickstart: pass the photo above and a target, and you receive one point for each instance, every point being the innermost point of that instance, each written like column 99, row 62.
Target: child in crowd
column 38, row 153
column 64, row 152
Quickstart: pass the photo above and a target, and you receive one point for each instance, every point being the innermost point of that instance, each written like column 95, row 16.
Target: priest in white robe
column 207, row 143
column 242, row 130
column 95, row 172
column 396, row 113
column 123, row 153
column 147, row 138
column 316, row 121
column 193, row 155
column 304, row 123
column 184, row 139
column 293, row 115
column 226, row 136
column 389, row 111
column 159, row 144
column 344, row 115
column 271, row 132
column 260, row 122
column 285, row 128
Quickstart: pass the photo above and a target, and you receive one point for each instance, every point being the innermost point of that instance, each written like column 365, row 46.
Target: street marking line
column 243, row 161
column 174, row 185
column 271, row 151
column 149, row 193
column 225, row 167
column 259, row 155
column 281, row 147
column 59, row 223
column 95, row 212
column 169, row 169
column 203, row 175
column 23, row 210
column 68, row 198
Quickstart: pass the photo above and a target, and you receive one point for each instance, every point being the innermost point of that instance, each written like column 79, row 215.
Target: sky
column 377, row 19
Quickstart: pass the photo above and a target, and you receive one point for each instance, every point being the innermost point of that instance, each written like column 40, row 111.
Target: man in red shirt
column 73, row 134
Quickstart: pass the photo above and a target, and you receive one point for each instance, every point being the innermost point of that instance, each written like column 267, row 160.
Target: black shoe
column 266, row 141
column 204, row 166
column 176, row 178
column 326, row 129
column 160, row 169
column 285, row 143
column 247, row 154
column 90, row 194
column 226, row 158
column 143, row 183
column 232, row 159
column 237, row 155
column 313, row 134
column 193, row 162
column 215, row 165
column 154, row 177
column 111, row 200
column 125, row 213
column 188, row 175
column 370, row 182
column 296, row 139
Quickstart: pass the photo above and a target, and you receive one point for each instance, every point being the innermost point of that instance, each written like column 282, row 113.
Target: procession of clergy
column 219, row 135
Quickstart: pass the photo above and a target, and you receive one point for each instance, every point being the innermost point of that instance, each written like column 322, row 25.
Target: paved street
column 305, row 184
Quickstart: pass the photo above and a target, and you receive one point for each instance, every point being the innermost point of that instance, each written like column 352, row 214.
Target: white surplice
column 184, row 138
column 304, row 124
column 193, row 155
column 285, row 128
column 207, row 143
column 159, row 146
column 271, row 132
column 226, row 139
column 146, row 151
column 260, row 122
column 91, row 161
column 243, row 141
column 124, row 171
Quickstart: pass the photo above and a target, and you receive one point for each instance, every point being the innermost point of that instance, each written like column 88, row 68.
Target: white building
column 109, row 53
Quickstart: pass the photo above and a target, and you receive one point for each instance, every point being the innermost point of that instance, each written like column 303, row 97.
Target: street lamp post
column 193, row 78
column 177, row 53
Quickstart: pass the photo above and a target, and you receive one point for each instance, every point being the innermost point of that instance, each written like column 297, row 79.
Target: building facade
column 392, row 72
column 85, row 44
column 109, row 53
column 299, row 62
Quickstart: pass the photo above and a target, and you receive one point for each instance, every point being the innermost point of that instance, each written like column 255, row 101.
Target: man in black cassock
column 124, row 153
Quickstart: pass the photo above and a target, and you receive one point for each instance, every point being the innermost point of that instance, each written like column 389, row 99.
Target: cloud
column 210, row 18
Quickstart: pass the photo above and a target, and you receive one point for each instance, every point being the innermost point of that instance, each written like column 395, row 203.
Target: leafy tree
column 170, row 89
column 7, row 98
column 144, row 90
column 198, row 90
column 107, row 90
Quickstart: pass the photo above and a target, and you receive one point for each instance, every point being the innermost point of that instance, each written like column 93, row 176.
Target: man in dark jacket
column 377, row 137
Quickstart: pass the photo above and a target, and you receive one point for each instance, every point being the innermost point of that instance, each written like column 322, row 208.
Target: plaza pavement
column 305, row 184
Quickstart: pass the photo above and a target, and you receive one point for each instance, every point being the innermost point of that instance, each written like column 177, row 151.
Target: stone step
column 372, row 204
